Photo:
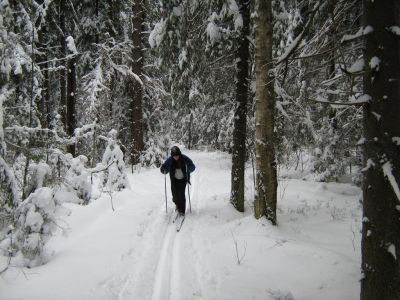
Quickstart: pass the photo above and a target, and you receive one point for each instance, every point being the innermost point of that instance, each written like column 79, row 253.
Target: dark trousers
column 178, row 187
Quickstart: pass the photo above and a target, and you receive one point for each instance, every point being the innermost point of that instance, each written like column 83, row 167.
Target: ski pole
column 190, row 205
column 187, row 176
column 165, row 185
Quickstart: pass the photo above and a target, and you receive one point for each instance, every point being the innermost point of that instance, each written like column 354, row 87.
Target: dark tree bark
column 44, row 104
column 137, row 64
column 63, row 77
column 380, row 244
column 239, row 130
column 96, row 11
column 71, row 94
column 266, row 180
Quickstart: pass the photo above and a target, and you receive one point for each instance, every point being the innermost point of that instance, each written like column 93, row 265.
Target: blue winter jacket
column 188, row 167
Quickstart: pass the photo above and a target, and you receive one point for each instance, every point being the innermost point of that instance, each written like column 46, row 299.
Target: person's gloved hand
column 163, row 170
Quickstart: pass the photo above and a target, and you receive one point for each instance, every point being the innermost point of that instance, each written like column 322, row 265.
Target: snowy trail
column 177, row 266
column 172, row 269
column 162, row 280
column 135, row 252
column 139, row 281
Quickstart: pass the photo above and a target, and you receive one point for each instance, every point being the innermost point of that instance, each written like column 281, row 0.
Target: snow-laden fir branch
column 41, row 12
column 361, row 100
column 79, row 133
column 94, row 86
column 363, row 31
column 293, row 46
column 4, row 94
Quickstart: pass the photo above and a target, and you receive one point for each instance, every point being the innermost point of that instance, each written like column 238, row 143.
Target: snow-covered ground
column 135, row 252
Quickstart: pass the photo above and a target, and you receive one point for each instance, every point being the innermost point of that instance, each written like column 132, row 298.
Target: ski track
column 169, row 265
column 177, row 271
column 136, row 285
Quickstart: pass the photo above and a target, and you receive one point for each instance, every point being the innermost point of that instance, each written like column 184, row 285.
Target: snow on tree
column 8, row 184
column 38, row 173
column 34, row 225
column 114, row 177
column 71, row 45
column 77, row 179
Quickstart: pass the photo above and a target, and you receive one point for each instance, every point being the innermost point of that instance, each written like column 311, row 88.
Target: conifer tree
column 137, row 65
column 239, row 132
column 381, row 216
column 266, row 178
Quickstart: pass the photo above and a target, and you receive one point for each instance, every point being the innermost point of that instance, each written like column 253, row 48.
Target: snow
column 113, row 159
column 387, row 171
column 290, row 48
column 392, row 250
column 135, row 252
column 233, row 7
column 395, row 30
column 357, row 67
column 364, row 98
column 182, row 58
column 376, row 115
column 157, row 34
column 6, row 173
column 71, row 44
column 238, row 22
column 34, row 220
column 361, row 141
column 32, row 241
column 43, row 199
column 374, row 63
column 370, row 164
column 177, row 11
column 213, row 31
column 361, row 32
column 2, row 142
column 233, row 10
column 39, row 172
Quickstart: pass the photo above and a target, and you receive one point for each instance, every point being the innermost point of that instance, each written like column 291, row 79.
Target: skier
column 179, row 167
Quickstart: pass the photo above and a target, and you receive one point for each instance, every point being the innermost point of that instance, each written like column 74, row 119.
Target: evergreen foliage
column 66, row 81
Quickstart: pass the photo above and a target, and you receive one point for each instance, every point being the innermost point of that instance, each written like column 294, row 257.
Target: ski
column 179, row 225
column 176, row 217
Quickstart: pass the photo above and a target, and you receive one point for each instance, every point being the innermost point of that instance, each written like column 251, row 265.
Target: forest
column 90, row 90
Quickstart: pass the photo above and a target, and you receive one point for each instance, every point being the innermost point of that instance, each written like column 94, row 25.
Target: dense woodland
column 93, row 87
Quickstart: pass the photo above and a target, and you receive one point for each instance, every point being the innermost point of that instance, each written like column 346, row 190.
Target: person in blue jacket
column 179, row 167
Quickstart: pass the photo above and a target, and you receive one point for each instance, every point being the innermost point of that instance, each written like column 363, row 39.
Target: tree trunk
column 187, row 105
column 96, row 11
column 239, row 130
column 63, row 77
column 380, row 244
column 71, row 94
column 190, row 127
column 137, row 58
column 44, row 104
column 266, row 181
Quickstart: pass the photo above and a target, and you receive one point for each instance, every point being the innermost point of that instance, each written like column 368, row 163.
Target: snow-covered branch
column 293, row 46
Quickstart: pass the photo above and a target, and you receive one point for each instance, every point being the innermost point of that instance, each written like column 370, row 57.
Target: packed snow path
column 176, row 271
column 135, row 252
